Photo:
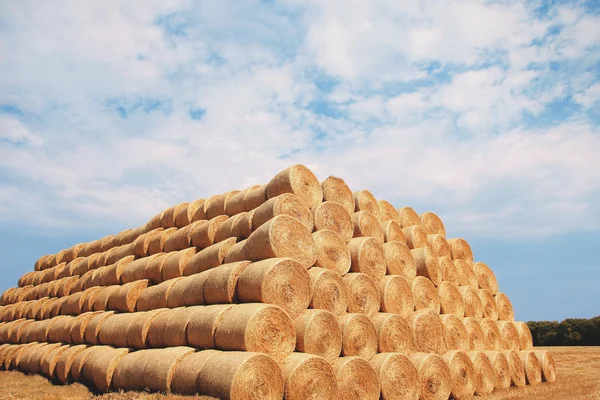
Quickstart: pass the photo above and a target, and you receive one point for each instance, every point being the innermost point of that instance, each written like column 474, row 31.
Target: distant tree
column 570, row 332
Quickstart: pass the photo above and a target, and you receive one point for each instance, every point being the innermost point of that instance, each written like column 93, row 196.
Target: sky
column 484, row 112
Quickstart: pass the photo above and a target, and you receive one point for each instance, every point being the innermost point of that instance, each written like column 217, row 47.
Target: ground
column 578, row 378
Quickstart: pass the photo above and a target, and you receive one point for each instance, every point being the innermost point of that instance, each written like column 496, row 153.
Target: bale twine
column 408, row 217
column 505, row 308
column 368, row 257
column 208, row 258
column 427, row 264
column 336, row 190
column 181, row 239
column 328, row 291
column 307, row 376
column 488, row 303
column 366, row 224
column 318, row 332
column 462, row 374
column 160, row 367
column 298, row 180
column 455, row 333
column 439, row 245
column 284, row 204
column 484, row 373
column 280, row 281
column 126, row 297
column 137, row 333
column 399, row 260
column 461, row 250
column 79, row 327
column 502, row 372
column 221, row 284
column 491, row 334
column 241, row 375
column 49, row 360
column 548, row 366
column 435, row 380
column 398, row 376
column 155, row 297
column 425, row 295
column 485, row 277
column 477, row 340
column 185, row 376
column 214, row 206
column 509, row 335
column 395, row 295
column 113, row 331
column 466, row 277
column 393, row 333
column 392, row 232
column 93, row 327
column 516, row 368
column 202, row 325
column 176, row 263
column 472, row 302
column 428, row 332
column 533, row 367
column 89, row 298
column 332, row 252
column 359, row 337
column 282, row 236
column 362, row 295
column 98, row 369
column 451, row 301
column 64, row 362
column 196, row 211
column 356, row 379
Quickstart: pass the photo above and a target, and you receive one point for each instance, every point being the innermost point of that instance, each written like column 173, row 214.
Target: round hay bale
column 137, row 333
column 109, row 242
column 113, row 331
column 16, row 358
column 488, row 304
column 362, row 295
column 366, row 224
column 111, row 275
column 237, row 252
column 455, row 333
column 188, row 291
column 67, row 286
column 157, row 242
column 241, row 375
column 62, row 270
column 393, row 333
column 491, row 334
column 160, row 367
column 154, row 222
column 99, row 367
column 525, row 338
column 516, row 368
column 509, row 334
column 462, row 374
column 37, row 308
column 477, row 340
column 239, row 225
column 180, row 215
column 221, row 284
column 387, row 212
column 332, row 252
column 89, row 298
column 308, row 376
column 129, row 374
column 103, row 296
column 472, row 302
column 155, row 297
column 60, row 329
column 283, row 236
column 368, row 257
column 461, row 250
column 17, row 332
column 548, row 366
column 118, row 253
column 484, row 373
column 214, row 206
column 435, row 380
column 235, row 204
column 176, row 263
column 427, row 264
column 398, row 376
column 318, row 332
column 485, row 277
column 336, row 190
column 125, row 298
column 395, row 295
column 185, row 376
column 56, row 307
column 285, row 204
column 439, row 245
column 76, row 370
column 208, row 258
column 328, row 291
column 432, row 224
column 359, row 337
column 80, row 326
column 365, row 201
column 49, row 360
column 64, row 362
column 428, row 332
column 392, row 232
column 505, row 308
column 399, row 260
column 92, row 330
column 466, row 277
column 502, row 373
column 153, row 270
column 425, row 295
column 167, row 218
column 175, row 327
column 451, row 301
column 298, row 180
column 202, row 325
column 254, row 196
column 415, row 237
column 408, row 217
column 356, row 379
column 141, row 245
column 181, row 239
column 196, row 211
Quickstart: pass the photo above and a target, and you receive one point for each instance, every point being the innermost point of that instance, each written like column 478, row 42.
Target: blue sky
column 484, row 112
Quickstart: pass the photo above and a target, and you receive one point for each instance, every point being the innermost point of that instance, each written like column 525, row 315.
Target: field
column 578, row 378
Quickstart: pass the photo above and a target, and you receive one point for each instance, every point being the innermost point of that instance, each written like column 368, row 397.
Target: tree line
column 570, row 332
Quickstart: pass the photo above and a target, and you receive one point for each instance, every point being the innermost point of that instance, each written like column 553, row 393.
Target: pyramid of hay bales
column 294, row 289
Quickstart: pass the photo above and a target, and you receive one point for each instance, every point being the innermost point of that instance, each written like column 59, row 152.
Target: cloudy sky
column 486, row 113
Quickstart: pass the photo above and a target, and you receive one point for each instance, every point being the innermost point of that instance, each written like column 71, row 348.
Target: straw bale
column 196, row 211
column 427, row 264
column 392, row 232
column 214, row 206
column 118, row 253
column 425, row 295
column 477, row 340
column 141, row 245
column 318, row 332
column 451, row 301
column 485, row 277
column 62, row 270
column 461, row 250
column 525, row 338
column 254, row 196
column 298, row 180
column 505, row 308
column 17, row 332
column 137, row 333
column 154, row 268
column 491, row 334
column 181, row 239
column 202, row 325
column 60, row 329
column 362, row 294
column 332, row 252
column 395, row 294
column 56, row 307
column 170, row 329
column 408, row 217
column 160, row 367
column 102, row 297
column 366, row 224
column 181, row 215
column 472, row 302
column 83, row 266
column 432, row 224
column 88, row 298
column 359, row 336
column 125, row 298
column 176, row 263
column 80, row 326
column 65, row 360
column 439, row 245
column 548, row 366
column 387, row 212
column 328, row 291
column 167, row 218
column 76, row 370
column 11, row 354
column 308, row 376
column 356, row 379
column 368, row 257
column 210, row 257
column 398, row 376
column 428, row 332
column 154, row 297
column 509, row 334
column 92, row 329
column 49, row 360
column 237, row 226
column 203, row 232
column 111, row 275
column 462, row 374
column 336, row 190
column 393, row 333
column 365, row 201
column 435, row 381
column 488, row 303
column 185, row 376
column 157, row 242
column 455, row 333
column 399, row 260
column 113, row 330
column 136, row 269
column 502, row 372
column 415, row 237
column 235, row 204
column 484, row 373
column 332, row 216
column 221, row 284
column 516, row 368
column 284, row 204
column 34, row 363
column 67, row 285
column 109, row 242
column 99, row 367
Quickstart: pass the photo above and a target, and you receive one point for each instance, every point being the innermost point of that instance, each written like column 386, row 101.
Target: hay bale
column 254, row 196
column 111, row 275
column 368, row 257
column 49, row 360
column 502, row 372
column 15, row 359
column 415, row 237
column 171, row 328
column 425, row 295
column 118, row 253
column 298, row 180
column 156, row 244
column 356, row 379
column 359, row 337
column 188, row 291
column 472, row 302
column 509, row 334
column 428, row 332
column 466, row 277
column 113, row 330
column 427, row 264
column 491, row 334
column 439, row 245
column 196, row 211
column 82, row 266
column 67, row 286
column 392, row 232
column 160, row 367
column 461, row 250
column 235, row 204
column 332, row 252
column 137, row 333
column 181, row 215
column 39, row 332
column 366, row 224
column 485, row 277
column 516, row 368
column 153, row 270
column 462, row 374
column 181, row 239
column 176, row 263
column 62, row 271
column 77, row 365
column 56, row 307
column 73, row 304
column 318, row 332
column 141, row 245
column 167, row 218
column 308, row 376
column 214, row 206
column 488, row 304
column 208, row 258
column 60, row 329
column 203, row 232
column 455, row 333
column 80, row 326
column 399, row 260
column 387, row 212
column 237, row 252
column 129, row 374
column 103, row 296
column 484, row 373
column 362, row 295
column 337, row 191
column 99, row 367
column 7, row 351
column 525, row 338
column 393, row 333
column 238, row 226
column 477, row 339
column 17, row 332
column 328, row 291
column 451, row 301
column 398, row 376
column 435, row 381
column 241, row 375
column 221, row 284
column 125, row 298
column 92, row 329
column 505, row 308
column 185, row 376
column 136, row 270
column 395, row 295
column 285, row 204
column 155, row 297
column 548, row 366
column 408, row 217
column 64, row 362
column 202, row 325
column 108, row 243
column 365, row 201
column 432, row 224
column 154, row 222
column 89, row 298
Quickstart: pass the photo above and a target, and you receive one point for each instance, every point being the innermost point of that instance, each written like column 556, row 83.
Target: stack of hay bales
column 294, row 289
